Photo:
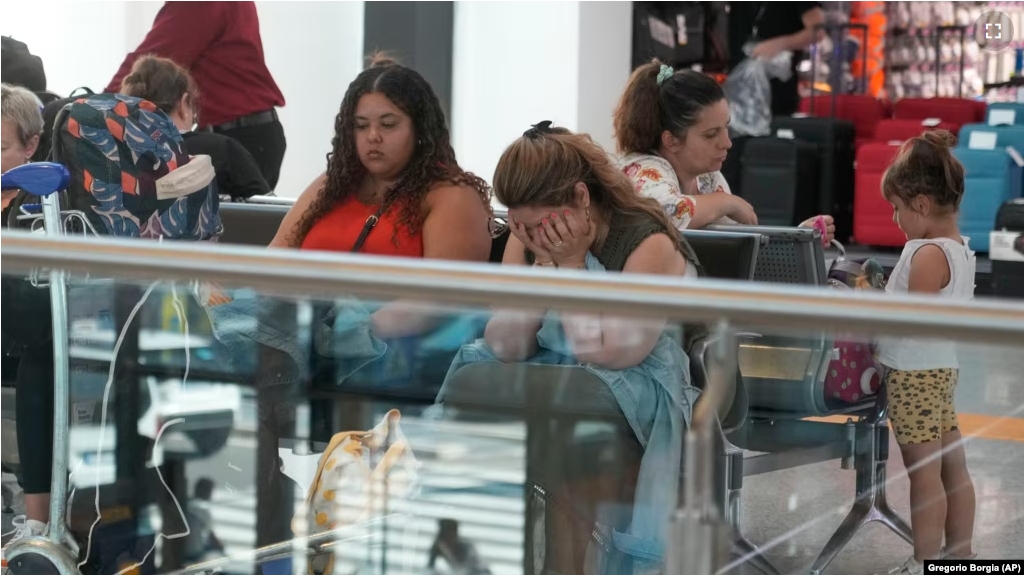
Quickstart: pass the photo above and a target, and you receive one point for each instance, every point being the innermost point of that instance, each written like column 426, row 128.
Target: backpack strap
column 56, row 152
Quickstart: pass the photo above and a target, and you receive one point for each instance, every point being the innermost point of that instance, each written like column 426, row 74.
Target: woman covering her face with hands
column 570, row 208
column 559, row 240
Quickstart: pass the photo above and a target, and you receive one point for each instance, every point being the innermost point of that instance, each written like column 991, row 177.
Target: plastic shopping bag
column 748, row 90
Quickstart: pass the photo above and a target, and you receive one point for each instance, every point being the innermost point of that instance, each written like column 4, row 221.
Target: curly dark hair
column 433, row 161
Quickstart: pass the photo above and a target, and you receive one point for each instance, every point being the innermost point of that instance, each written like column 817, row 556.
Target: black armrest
column 726, row 255
column 251, row 224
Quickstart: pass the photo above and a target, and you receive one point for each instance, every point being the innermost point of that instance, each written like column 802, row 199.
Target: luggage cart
column 57, row 553
column 50, row 554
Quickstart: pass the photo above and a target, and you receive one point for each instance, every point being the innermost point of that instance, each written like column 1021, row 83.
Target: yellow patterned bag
column 359, row 476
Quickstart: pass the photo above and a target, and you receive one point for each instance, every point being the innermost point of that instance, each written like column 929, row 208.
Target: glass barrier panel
column 218, row 427
column 209, row 422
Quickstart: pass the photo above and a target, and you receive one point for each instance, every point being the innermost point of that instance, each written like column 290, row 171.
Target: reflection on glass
column 211, row 422
column 347, row 442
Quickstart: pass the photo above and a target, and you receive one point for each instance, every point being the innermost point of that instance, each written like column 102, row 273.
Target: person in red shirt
column 219, row 44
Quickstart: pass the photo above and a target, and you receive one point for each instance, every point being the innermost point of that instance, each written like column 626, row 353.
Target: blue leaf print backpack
column 130, row 174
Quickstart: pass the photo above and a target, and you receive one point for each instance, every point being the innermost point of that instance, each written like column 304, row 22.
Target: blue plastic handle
column 39, row 178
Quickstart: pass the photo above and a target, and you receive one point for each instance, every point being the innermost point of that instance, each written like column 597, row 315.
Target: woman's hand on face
column 523, row 235
column 827, row 226
column 567, row 239
column 743, row 212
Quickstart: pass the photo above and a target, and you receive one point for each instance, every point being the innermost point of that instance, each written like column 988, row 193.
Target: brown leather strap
column 371, row 222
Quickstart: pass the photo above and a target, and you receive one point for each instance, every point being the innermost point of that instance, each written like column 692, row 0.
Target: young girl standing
column 925, row 185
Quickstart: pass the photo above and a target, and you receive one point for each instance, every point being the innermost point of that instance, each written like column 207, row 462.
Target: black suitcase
column 833, row 139
column 689, row 22
column 780, row 180
column 732, row 167
column 653, row 36
column 1006, row 250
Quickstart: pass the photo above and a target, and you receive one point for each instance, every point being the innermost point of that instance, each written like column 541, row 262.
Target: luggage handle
column 830, row 29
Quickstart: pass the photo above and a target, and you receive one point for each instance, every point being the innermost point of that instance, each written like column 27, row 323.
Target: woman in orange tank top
column 392, row 158
column 393, row 186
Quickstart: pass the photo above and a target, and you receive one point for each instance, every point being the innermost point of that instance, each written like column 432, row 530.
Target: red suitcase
column 954, row 111
column 901, row 130
column 872, row 215
column 864, row 111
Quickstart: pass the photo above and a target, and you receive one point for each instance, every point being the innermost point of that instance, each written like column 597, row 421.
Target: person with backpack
column 130, row 177
column 130, row 173
column 219, row 44
column 173, row 90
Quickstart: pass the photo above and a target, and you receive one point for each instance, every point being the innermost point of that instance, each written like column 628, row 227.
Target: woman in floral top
column 674, row 154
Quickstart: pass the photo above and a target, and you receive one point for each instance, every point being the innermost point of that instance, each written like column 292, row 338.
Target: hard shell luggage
column 1002, row 113
column 865, row 112
column 732, row 167
column 993, row 177
column 955, row 111
column 983, row 136
column 1007, row 251
column 653, row 36
column 831, row 127
column 872, row 215
column 834, row 142
column 780, row 180
column 901, row 130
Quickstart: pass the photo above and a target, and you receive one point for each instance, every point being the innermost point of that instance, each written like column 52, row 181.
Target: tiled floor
column 799, row 509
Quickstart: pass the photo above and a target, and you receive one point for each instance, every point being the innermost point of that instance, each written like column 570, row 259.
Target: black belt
column 257, row 119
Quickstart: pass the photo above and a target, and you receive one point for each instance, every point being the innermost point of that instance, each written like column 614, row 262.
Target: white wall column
column 518, row 63
column 314, row 50
column 605, row 57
